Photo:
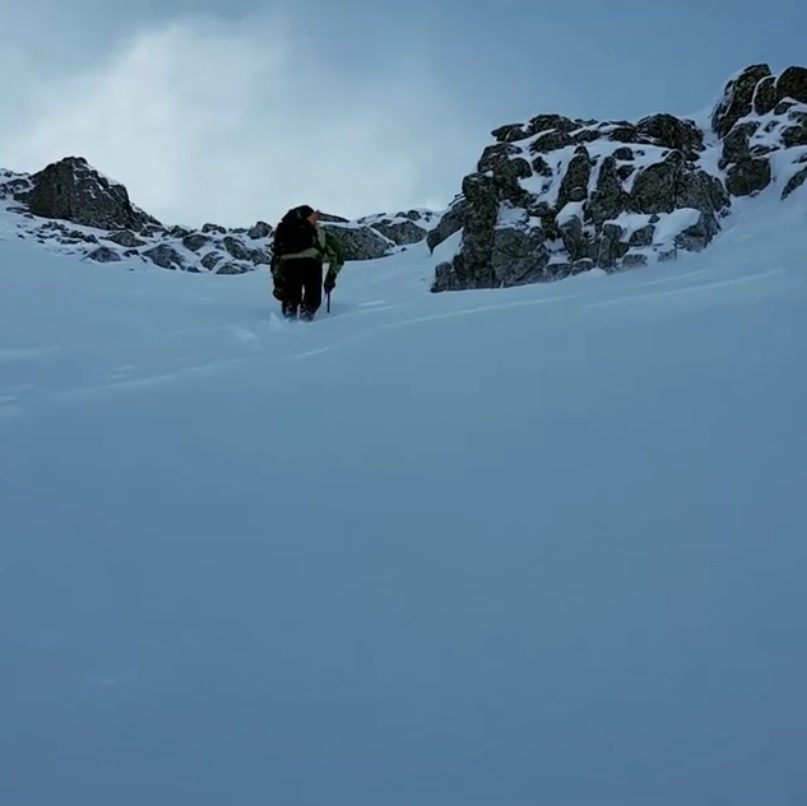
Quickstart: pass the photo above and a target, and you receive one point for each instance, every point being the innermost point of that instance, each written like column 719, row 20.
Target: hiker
column 299, row 250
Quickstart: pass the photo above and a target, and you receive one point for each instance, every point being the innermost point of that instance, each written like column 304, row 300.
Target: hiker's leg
column 292, row 287
column 312, row 283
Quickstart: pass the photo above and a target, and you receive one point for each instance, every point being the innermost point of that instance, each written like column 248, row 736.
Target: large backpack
column 293, row 234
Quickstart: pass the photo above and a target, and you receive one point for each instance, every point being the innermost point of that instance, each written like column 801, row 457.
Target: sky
column 232, row 111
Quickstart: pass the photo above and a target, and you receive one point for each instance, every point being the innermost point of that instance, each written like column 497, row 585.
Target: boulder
column 125, row 238
column 260, row 230
column 358, row 242
column 103, row 254
column 71, row 190
column 749, row 176
column 164, row 256
column 574, row 185
column 792, row 83
column 795, row 182
column 196, row 241
column 402, row 233
column 737, row 98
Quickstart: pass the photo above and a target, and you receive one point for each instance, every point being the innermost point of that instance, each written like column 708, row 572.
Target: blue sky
column 233, row 110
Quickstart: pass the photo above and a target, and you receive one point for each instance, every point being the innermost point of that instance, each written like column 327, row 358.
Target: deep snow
column 538, row 545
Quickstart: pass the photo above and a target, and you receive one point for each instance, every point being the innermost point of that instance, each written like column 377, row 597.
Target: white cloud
column 231, row 122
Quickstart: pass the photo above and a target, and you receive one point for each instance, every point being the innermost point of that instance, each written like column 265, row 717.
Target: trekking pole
column 329, row 301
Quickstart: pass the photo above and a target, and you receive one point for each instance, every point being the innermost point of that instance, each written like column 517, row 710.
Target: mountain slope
column 542, row 544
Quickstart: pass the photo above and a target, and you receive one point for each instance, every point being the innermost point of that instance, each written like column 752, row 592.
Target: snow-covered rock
column 553, row 196
column 72, row 207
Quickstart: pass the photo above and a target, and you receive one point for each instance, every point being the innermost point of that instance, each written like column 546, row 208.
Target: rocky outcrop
column 555, row 196
column 98, row 209
column 70, row 190
column 448, row 224
column 358, row 243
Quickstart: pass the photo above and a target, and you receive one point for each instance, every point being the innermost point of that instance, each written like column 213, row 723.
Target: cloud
column 207, row 120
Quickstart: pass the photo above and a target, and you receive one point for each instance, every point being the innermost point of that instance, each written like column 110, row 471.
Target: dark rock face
column 195, row 241
column 358, row 243
column 749, row 176
column 737, row 98
column 792, row 83
column 450, row 223
column 555, row 196
column 795, row 182
column 71, row 190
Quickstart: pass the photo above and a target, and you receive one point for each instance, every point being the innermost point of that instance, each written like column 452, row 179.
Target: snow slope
column 538, row 545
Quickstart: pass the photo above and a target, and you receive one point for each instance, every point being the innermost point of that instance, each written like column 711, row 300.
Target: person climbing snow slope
column 299, row 251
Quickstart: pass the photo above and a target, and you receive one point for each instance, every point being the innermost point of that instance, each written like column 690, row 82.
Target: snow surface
column 543, row 545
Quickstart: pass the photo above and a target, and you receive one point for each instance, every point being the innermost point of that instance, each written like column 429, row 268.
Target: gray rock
column 643, row 236
column 519, row 256
column 260, row 257
column 574, row 185
column 585, row 264
column 103, row 254
column 609, row 198
column 551, row 141
column 166, row 257
column 260, row 230
column 446, row 277
column 331, row 218
column 401, row 232
column 654, row 190
column 792, row 83
column 125, row 238
column 737, row 98
column 542, row 167
column 624, row 133
column 71, row 190
column 672, row 132
column 765, row 95
column 232, row 268
column 510, row 133
column 358, row 243
column 209, row 229
column 794, row 136
column 749, row 176
column 236, row 249
column 211, row 260
column 624, row 154
column 736, row 146
column 795, row 182
column 195, row 242
column 702, row 191
column 699, row 235
column 449, row 223
column 612, row 247
column 575, row 242
column 633, row 260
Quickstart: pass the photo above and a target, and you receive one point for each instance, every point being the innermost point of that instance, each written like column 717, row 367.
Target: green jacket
column 326, row 250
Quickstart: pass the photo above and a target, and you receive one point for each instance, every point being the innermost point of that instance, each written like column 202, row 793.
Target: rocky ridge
column 72, row 208
column 552, row 196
